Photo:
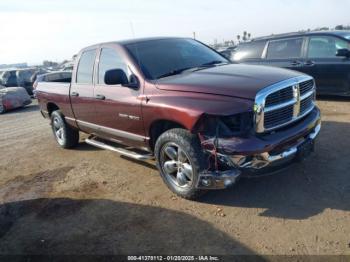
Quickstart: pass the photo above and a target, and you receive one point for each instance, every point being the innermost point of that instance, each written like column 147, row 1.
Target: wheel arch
column 50, row 106
column 158, row 127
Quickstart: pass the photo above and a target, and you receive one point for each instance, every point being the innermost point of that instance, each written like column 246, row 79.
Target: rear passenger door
column 286, row 53
column 82, row 88
column 331, row 73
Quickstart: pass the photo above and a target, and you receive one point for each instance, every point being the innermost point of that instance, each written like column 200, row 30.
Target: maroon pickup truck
column 205, row 120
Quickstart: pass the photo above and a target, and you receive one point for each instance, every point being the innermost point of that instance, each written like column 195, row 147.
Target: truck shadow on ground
column 305, row 189
column 82, row 146
column 94, row 226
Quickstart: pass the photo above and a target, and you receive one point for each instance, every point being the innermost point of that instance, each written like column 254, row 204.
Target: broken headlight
column 227, row 126
column 239, row 124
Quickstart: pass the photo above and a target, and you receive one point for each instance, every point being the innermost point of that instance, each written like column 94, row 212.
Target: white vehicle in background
column 12, row 98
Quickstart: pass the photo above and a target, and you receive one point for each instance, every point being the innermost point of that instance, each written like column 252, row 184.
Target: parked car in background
column 24, row 79
column 228, row 52
column 13, row 97
column 19, row 77
column 325, row 55
column 205, row 120
column 68, row 67
column 8, row 78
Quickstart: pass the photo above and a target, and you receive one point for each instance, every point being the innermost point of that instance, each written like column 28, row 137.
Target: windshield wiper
column 195, row 68
column 215, row 62
column 175, row 72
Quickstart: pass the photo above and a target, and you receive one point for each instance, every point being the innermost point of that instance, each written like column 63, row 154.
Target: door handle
column 295, row 63
column 309, row 63
column 100, row 97
column 74, row 94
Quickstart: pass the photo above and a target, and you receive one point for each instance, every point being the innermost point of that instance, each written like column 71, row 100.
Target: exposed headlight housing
column 226, row 126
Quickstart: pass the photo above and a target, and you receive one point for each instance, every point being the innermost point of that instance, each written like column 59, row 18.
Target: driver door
column 118, row 108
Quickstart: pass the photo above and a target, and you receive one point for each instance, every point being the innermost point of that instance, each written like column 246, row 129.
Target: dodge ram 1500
column 205, row 120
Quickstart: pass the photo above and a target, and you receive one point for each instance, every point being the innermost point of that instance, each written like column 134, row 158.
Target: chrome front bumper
column 238, row 164
column 266, row 159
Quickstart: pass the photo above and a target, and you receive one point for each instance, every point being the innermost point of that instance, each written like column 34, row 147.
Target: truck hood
column 236, row 80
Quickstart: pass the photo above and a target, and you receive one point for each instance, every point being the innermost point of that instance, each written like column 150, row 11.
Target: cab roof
column 134, row 41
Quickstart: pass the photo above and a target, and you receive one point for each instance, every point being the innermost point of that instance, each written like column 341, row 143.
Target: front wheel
column 66, row 136
column 180, row 160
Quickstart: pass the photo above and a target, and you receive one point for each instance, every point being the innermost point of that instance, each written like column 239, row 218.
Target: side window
column 325, row 46
column 286, row 48
column 251, row 50
column 86, row 67
column 110, row 59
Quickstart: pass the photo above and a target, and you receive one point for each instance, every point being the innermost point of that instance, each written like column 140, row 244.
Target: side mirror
column 343, row 52
column 118, row 77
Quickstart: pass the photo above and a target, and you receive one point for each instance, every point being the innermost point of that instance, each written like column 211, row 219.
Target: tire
column 65, row 135
column 180, row 146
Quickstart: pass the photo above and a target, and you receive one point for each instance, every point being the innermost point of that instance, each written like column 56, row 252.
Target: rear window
column 86, row 67
column 286, row 48
column 249, row 50
column 61, row 77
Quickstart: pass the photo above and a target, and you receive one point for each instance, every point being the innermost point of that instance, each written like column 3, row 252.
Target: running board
column 119, row 150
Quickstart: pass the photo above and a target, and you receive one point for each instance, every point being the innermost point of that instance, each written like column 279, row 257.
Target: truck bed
column 54, row 94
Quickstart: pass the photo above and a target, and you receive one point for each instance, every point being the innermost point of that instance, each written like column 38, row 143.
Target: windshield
column 160, row 58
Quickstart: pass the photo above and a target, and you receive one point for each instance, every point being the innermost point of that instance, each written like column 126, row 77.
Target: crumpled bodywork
column 250, row 151
column 13, row 97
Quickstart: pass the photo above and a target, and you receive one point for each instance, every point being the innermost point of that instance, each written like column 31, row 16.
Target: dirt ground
column 91, row 201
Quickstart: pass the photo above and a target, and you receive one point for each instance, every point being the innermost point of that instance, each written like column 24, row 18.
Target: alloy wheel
column 58, row 130
column 176, row 165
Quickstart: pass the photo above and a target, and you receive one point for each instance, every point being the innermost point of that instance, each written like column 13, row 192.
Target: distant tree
column 238, row 38
column 324, row 28
column 249, row 35
column 245, row 36
column 339, row 27
column 47, row 63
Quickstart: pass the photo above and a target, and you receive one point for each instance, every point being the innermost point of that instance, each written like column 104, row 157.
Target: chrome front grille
column 280, row 96
column 283, row 103
column 306, row 86
column 306, row 104
column 278, row 117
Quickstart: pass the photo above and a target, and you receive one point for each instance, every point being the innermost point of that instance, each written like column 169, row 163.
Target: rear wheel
column 180, row 160
column 65, row 135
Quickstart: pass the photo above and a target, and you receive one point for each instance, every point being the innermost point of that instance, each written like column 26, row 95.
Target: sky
column 37, row 30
